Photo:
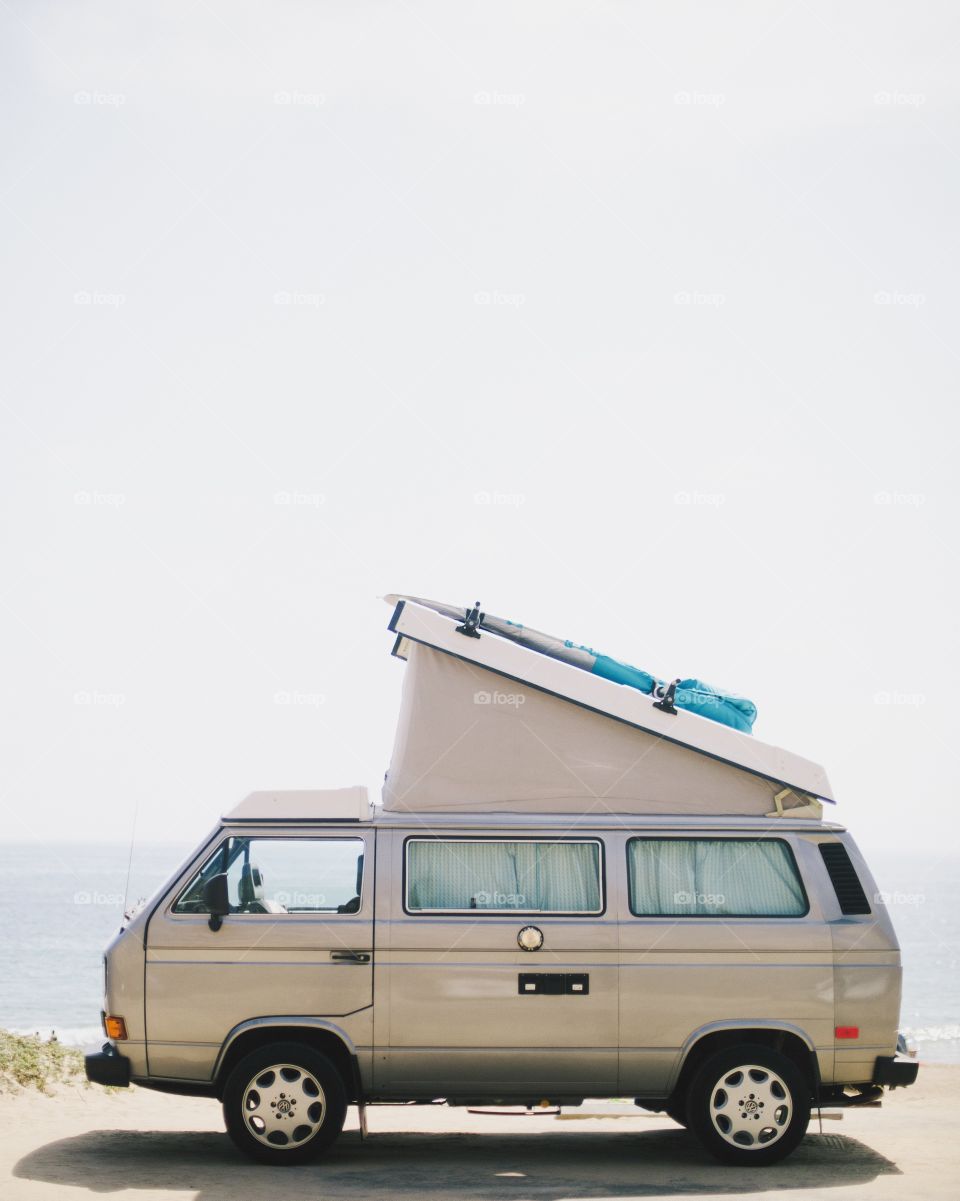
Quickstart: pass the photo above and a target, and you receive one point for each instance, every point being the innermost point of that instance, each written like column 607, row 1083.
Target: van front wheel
column 749, row 1105
column 284, row 1103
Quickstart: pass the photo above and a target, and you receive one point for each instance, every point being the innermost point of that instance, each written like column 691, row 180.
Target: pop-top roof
column 488, row 724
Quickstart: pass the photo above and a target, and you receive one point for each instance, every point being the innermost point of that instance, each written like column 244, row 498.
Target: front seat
column 250, row 892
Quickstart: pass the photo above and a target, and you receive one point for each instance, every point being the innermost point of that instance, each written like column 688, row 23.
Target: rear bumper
column 105, row 1065
column 895, row 1071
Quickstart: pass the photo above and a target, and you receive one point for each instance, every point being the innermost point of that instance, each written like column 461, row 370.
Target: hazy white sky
column 636, row 321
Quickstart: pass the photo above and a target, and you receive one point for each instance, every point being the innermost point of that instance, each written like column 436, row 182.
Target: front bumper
column 105, row 1065
column 895, row 1071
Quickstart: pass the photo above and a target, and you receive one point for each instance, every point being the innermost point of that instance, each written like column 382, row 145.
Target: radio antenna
column 133, row 832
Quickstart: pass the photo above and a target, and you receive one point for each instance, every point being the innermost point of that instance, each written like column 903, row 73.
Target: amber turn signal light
column 847, row 1032
column 115, row 1027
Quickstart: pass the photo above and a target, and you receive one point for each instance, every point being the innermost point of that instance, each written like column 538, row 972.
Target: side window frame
column 502, row 913
column 301, row 914
column 740, row 917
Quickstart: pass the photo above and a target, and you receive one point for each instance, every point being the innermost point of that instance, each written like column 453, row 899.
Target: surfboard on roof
column 496, row 717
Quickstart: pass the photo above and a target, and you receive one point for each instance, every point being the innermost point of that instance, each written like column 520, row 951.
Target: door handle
column 351, row 956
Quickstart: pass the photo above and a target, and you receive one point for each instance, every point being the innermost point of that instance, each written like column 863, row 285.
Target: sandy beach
column 144, row 1145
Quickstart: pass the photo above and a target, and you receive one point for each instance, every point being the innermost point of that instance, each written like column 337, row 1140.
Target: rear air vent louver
column 843, row 877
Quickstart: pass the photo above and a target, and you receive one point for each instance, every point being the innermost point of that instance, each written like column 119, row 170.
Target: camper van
column 573, row 889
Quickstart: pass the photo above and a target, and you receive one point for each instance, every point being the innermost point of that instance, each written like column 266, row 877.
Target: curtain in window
column 730, row 876
column 568, row 877
column 550, row 877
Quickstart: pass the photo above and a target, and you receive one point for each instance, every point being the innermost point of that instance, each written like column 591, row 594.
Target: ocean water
column 59, row 907
column 61, row 904
column 923, row 898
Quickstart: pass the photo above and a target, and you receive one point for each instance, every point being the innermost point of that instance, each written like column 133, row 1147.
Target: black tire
column 778, row 1102
column 303, row 1099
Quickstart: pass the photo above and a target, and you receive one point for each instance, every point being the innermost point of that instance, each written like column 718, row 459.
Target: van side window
column 491, row 876
column 282, row 875
column 714, row 877
column 843, row 876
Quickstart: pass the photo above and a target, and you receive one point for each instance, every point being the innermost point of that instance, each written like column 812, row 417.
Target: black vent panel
column 843, row 877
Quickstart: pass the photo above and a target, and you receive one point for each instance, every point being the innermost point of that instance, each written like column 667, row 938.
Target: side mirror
column 216, row 900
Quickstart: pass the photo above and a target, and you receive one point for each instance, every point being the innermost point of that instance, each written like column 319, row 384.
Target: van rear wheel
column 749, row 1105
column 284, row 1103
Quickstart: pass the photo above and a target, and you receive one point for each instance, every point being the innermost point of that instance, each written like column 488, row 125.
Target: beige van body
column 574, row 889
column 430, row 1006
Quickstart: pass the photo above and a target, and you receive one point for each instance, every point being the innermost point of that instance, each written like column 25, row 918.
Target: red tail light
column 847, row 1031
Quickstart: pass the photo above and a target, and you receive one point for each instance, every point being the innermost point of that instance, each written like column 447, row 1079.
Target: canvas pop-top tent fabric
column 528, row 737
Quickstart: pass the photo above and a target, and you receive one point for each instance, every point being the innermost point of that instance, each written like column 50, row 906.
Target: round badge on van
column 530, row 939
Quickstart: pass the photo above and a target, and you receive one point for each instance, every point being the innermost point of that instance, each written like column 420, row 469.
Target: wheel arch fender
column 320, row 1034
column 791, row 1040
